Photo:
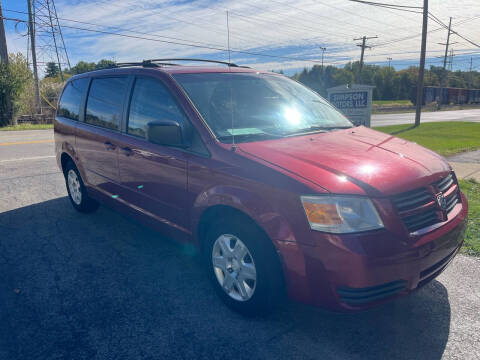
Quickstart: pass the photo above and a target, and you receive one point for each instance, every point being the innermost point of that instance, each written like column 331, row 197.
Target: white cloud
column 278, row 27
column 16, row 42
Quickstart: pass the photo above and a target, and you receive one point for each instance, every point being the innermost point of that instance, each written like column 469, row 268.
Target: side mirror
column 167, row 132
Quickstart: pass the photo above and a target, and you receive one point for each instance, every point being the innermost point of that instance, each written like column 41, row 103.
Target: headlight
column 341, row 214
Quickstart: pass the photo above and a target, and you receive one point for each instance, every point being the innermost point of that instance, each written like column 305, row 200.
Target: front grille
column 416, row 222
column 358, row 296
column 418, row 208
column 452, row 201
column 445, row 183
column 412, row 199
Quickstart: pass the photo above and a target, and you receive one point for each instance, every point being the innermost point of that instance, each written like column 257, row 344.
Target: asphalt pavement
column 434, row 116
column 100, row 286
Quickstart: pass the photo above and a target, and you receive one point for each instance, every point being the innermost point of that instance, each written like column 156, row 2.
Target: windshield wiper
column 247, row 137
column 314, row 128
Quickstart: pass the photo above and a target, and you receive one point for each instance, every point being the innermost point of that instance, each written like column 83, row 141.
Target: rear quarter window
column 105, row 102
column 69, row 104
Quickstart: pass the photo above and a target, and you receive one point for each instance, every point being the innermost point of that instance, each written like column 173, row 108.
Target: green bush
column 14, row 80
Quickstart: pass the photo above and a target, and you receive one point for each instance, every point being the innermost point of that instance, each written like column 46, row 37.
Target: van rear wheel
column 76, row 190
column 243, row 267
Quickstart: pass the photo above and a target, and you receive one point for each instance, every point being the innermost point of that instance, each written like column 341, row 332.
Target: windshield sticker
column 245, row 131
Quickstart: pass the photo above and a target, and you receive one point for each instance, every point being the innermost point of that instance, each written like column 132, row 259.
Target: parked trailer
column 450, row 95
column 473, row 96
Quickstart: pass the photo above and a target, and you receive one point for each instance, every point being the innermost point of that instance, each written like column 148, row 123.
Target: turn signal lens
column 341, row 214
column 322, row 213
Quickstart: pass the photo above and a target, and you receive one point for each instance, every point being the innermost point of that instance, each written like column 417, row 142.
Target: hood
column 357, row 160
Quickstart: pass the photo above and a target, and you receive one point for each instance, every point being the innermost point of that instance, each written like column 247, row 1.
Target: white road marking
column 28, row 158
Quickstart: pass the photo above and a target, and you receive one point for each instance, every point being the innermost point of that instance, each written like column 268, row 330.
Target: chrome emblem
column 441, row 202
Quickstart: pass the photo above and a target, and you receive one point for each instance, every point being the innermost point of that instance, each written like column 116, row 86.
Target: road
column 100, row 286
column 409, row 118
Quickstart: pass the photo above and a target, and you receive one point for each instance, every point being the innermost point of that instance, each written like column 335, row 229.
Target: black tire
column 269, row 289
column 86, row 203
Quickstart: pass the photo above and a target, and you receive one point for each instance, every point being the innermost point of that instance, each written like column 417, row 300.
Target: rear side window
column 151, row 101
column 105, row 102
column 69, row 104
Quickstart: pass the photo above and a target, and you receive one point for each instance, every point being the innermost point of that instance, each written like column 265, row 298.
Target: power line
column 316, row 16
column 177, row 43
column 355, row 14
column 119, row 28
column 437, row 20
column 467, row 40
column 128, row 30
column 385, row 4
column 409, row 37
column 191, row 23
column 390, row 6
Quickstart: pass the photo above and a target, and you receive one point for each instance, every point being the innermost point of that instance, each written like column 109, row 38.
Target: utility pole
column 323, row 53
column 450, row 62
column 421, row 69
column 6, row 115
column 3, row 40
column 471, row 73
column 31, row 29
column 389, row 63
column 448, row 42
column 444, row 71
column 363, row 45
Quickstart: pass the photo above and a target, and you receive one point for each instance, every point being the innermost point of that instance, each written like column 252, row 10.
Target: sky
column 265, row 34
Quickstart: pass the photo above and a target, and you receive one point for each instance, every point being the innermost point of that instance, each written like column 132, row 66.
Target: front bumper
column 355, row 272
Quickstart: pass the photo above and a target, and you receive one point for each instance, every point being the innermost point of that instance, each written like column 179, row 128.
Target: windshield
column 256, row 106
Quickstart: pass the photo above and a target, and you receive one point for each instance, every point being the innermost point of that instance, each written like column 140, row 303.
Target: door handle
column 109, row 145
column 126, row 151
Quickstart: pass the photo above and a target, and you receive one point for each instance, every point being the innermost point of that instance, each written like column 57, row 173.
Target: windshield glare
column 258, row 105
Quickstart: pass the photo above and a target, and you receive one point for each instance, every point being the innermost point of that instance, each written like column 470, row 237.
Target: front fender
column 257, row 207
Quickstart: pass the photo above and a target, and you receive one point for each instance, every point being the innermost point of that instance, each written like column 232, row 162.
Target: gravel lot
column 102, row 287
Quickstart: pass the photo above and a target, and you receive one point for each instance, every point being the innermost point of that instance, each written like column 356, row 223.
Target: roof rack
column 196, row 60
column 144, row 63
column 167, row 62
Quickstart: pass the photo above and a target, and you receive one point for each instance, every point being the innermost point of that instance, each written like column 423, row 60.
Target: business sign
column 354, row 101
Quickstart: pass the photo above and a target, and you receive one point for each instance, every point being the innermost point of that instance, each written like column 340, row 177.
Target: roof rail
column 144, row 63
column 197, row 60
column 167, row 62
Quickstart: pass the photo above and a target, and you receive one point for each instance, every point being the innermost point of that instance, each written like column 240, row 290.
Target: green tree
column 104, row 63
column 389, row 83
column 52, row 70
column 82, row 66
column 14, row 81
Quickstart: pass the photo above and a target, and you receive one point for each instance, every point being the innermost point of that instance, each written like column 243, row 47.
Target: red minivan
column 276, row 188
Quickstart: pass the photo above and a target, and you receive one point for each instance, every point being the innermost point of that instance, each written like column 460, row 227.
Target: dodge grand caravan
column 276, row 188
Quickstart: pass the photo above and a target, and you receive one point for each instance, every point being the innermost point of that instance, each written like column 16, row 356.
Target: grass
column 445, row 138
column 27, row 127
column 392, row 102
column 402, row 108
column 471, row 189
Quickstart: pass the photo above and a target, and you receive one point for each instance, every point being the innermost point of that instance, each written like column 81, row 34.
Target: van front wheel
column 243, row 267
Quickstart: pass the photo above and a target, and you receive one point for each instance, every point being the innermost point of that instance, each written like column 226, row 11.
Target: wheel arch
column 211, row 213
column 64, row 159
column 229, row 212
